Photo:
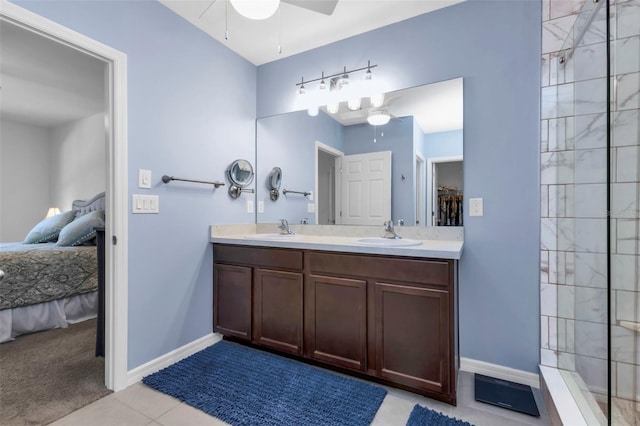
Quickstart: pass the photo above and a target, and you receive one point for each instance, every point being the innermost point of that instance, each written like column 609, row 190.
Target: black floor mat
column 505, row 394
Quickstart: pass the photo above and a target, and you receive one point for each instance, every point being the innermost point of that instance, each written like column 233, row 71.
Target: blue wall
column 495, row 47
column 443, row 144
column 188, row 116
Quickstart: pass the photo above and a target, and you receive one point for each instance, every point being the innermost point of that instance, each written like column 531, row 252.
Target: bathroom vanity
column 388, row 314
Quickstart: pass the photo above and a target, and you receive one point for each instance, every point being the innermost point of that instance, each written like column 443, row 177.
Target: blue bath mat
column 245, row 386
column 421, row 416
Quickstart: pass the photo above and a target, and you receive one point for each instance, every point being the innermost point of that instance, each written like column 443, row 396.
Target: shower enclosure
column 590, row 187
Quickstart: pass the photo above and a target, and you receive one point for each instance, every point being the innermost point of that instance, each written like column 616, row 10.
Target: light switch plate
column 144, row 179
column 311, row 207
column 145, row 204
column 476, row 207
column 249, row 206
column 260, row 206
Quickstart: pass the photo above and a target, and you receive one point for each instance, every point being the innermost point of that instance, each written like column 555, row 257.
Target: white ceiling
column 298, row 29
column 45, row 83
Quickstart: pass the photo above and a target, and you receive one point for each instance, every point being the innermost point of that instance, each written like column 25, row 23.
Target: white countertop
column 440, row 249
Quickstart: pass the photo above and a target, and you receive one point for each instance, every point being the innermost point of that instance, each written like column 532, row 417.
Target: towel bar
column 167, row 179
column 287, row 191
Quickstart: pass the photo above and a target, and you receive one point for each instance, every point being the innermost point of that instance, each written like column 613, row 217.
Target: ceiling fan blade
column 325, row 7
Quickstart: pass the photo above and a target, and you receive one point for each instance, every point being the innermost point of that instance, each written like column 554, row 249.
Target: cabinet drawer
column 429, row 272
column 258, row 256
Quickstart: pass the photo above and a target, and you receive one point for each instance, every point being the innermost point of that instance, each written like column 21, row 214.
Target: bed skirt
column 45, row 316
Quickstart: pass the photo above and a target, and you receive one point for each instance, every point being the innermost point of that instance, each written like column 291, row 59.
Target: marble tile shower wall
column 573, row 194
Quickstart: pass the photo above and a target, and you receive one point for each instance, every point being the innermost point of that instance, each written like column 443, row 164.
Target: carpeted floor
column 47, row 375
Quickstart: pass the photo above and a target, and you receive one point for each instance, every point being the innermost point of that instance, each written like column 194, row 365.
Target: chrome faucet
column 389, row 232
column 284, row 227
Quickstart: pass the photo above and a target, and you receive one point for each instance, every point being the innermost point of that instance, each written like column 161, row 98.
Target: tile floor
column 139, row 405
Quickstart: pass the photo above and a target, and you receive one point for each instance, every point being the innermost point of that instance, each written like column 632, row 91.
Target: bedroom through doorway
column 64, row 109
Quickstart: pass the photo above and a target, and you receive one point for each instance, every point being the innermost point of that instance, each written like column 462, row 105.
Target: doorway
column 327, row 184
column 444, row 177
column 116, row 269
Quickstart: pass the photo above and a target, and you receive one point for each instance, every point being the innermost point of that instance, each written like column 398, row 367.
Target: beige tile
column 186, row 415
column 107, row 411
column 393, row 411
column 146, row 400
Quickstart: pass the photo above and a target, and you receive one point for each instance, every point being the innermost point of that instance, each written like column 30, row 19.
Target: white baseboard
column 135, row 375
column 500, row 372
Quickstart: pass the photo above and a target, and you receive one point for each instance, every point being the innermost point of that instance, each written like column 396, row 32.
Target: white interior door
column 366, row 188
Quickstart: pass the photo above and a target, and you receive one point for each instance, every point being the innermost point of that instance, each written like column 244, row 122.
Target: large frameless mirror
column 408, row 169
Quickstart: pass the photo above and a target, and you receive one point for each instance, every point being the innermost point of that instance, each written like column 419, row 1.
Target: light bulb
column 333, row 108
column 377, row 100
column 378, row 118
column 255, row 9
column 313, row 111
column 354, row 104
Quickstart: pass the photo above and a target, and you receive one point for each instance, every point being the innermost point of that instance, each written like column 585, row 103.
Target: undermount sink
column 388, row 242
column 273, row 237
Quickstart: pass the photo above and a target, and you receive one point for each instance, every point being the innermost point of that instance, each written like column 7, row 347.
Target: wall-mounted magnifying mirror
column 240, row 174
column 275, row 178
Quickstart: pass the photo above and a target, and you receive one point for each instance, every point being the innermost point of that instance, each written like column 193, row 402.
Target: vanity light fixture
column 378, row 117
column 255, row 9
column 333, row 89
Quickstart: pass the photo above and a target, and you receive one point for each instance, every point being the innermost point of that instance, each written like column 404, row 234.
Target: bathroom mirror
column 240, row 174
column 421, row 185
column 275, row 178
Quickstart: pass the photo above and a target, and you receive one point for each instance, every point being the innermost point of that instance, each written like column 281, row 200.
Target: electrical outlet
column 311, row 208
column 476, row 207
column 310, row 196
column 249, row 206
column 260, row 206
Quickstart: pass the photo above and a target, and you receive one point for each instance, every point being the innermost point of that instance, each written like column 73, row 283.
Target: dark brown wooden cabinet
column 232, row 293
column 336, row 321
column 412, row 336
column 277, row 308
column 389, row 318
column 258, row 296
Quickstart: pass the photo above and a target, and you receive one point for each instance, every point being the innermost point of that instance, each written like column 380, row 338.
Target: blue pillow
column 81, row 230
column 48, row 229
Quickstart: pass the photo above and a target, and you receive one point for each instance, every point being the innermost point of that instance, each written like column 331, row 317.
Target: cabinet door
column 412, row 336
column 232, row 301
column 278, row 310
column 336, row 321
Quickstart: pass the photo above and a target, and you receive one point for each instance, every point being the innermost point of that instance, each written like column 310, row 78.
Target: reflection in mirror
column 275, row 177
column 408, row 170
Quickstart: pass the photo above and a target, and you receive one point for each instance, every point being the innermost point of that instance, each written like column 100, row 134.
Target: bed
column 51, row 284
